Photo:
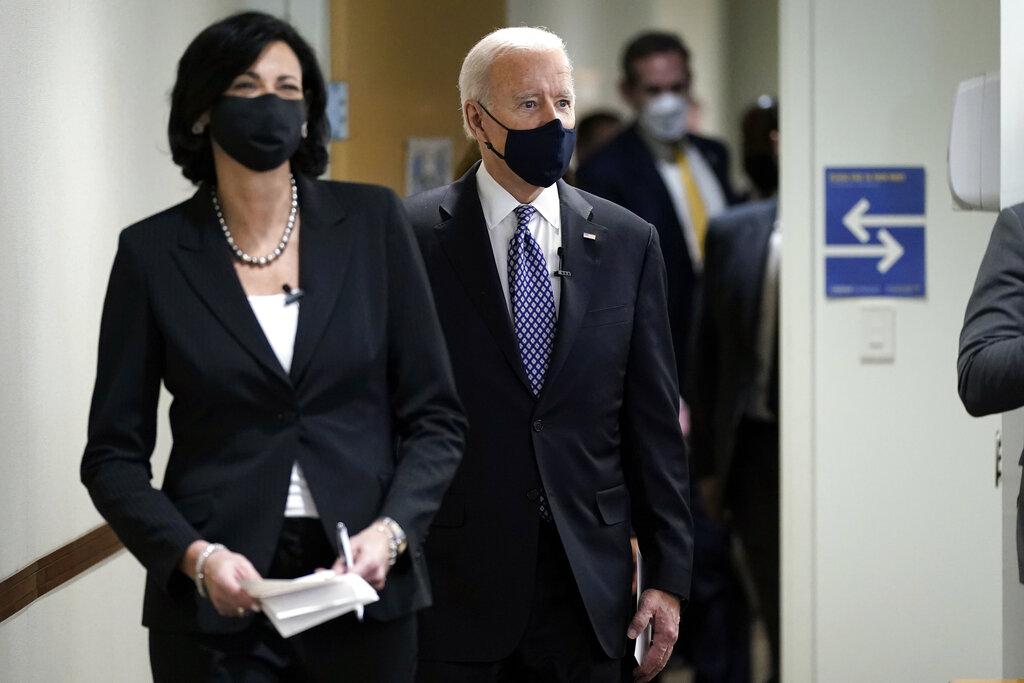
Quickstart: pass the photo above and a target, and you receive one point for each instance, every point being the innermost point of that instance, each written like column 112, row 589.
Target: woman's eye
column 242, row 86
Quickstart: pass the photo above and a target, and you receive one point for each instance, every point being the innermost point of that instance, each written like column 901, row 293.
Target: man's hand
column 371, row 553
column 660, row 610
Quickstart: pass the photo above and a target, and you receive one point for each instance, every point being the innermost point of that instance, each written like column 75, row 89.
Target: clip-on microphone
column 292, row 294
column 560, row 272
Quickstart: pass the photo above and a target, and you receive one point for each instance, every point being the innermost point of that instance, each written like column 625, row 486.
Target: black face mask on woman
column 260, row 133
column 540, row 156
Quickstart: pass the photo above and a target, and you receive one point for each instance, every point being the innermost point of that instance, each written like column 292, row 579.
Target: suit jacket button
column 532, row 494
column 538, row 425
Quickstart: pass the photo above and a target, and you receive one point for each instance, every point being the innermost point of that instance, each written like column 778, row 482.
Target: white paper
column 643, row 641
column 294, row 605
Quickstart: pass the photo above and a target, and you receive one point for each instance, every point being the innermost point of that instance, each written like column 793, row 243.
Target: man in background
column 735, row 387
column 677, row 180
column 671, row 178
column 594, row 131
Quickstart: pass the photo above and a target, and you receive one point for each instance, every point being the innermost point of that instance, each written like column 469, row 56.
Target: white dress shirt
column 707, row 184
column 545, row 226
column 280, row 322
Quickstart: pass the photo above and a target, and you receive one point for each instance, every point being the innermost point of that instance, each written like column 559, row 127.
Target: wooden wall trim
column 63, row 564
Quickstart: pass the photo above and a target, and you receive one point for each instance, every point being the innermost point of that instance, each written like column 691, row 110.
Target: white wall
column 891, row 542
column 83, row 117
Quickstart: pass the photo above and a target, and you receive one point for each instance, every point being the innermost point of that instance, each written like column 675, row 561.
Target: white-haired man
column 553, row 305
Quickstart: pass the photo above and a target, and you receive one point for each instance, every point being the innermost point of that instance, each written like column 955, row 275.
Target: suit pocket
column 607, row 316
column 613, row 504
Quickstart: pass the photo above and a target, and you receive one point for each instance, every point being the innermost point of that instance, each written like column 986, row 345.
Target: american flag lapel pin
column 589, row 236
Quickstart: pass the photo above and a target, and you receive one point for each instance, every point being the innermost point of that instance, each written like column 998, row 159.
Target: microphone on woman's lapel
column 292, row 294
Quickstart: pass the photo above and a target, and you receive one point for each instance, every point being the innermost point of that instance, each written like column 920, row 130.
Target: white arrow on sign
column 889, row 251
column 857, row 221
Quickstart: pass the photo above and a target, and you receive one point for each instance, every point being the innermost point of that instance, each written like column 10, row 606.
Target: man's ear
column 474, row 119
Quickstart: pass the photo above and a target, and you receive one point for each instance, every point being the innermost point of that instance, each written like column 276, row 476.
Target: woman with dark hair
column 292, row 323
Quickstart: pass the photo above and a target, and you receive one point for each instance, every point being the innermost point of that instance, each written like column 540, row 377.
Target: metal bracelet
column 397, row 532
column 201, row 565
column 392, row 542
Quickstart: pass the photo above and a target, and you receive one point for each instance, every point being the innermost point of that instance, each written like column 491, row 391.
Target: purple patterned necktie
column 533, row 299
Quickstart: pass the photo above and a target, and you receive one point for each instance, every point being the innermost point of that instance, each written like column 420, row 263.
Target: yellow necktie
column 698, row 214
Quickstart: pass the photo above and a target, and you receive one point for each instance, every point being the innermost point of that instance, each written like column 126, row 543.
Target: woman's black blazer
column 369, row 408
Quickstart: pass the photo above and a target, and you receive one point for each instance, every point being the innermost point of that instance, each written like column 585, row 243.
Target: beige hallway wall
column 401, row 60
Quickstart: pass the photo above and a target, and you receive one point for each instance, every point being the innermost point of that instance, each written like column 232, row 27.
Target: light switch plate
column 878, row 334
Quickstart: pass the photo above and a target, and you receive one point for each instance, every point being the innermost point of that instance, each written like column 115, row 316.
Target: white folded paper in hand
column 294, row 605
column 643, row 641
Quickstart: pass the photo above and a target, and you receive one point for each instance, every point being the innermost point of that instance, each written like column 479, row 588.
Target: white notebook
column 294, row 605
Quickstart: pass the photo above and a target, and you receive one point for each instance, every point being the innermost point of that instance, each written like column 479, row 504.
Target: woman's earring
column 305, row 129
column 198, row 127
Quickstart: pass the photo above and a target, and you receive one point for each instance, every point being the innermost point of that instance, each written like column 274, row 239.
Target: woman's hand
column 371, row 554
column 223, row 574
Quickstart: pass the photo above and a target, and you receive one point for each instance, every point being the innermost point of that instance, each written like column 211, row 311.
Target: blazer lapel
column 463, row 236
column 205, row 260
column 581, row 256
column 324, row 253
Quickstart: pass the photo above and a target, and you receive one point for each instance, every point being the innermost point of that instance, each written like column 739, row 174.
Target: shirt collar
column 497, row 203
column 664, row 151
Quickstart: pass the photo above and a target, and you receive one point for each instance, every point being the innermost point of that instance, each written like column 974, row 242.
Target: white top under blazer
column 280, row 321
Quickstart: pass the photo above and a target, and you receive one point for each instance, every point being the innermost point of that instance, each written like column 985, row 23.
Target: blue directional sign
column 874, row 232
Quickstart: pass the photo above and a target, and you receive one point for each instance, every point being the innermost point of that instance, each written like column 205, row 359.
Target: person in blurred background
column 292, row 322
column 760, row 131
column 594, row 131
column 552, row 302
column 660, row 171
column 676, row 179
column 735, row 370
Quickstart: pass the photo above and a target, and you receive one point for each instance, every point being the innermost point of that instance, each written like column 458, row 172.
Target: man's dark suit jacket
column 991, row 362
column 368, row 409
column 602, row 439
column 624, row 172
column 725, row 340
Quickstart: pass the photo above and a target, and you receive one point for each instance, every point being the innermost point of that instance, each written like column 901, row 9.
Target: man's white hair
column 475, row 77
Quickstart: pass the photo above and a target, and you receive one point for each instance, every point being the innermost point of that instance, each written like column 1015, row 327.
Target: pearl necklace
column 278, row 250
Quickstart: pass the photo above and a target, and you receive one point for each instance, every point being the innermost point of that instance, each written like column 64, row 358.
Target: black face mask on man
column 540, row 156
column 261, row 133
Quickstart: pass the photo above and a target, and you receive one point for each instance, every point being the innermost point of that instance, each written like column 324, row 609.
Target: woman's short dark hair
column 209, row 66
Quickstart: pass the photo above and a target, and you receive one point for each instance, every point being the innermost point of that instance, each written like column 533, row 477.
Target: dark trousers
column 341, row 649
column 753, row 498
column 714, row 633
column 559, row 643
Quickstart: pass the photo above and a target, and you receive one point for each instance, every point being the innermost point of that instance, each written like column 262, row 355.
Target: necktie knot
column 524, row 212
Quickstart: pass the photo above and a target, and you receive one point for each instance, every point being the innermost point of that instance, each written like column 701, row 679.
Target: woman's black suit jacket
column 369, row 408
